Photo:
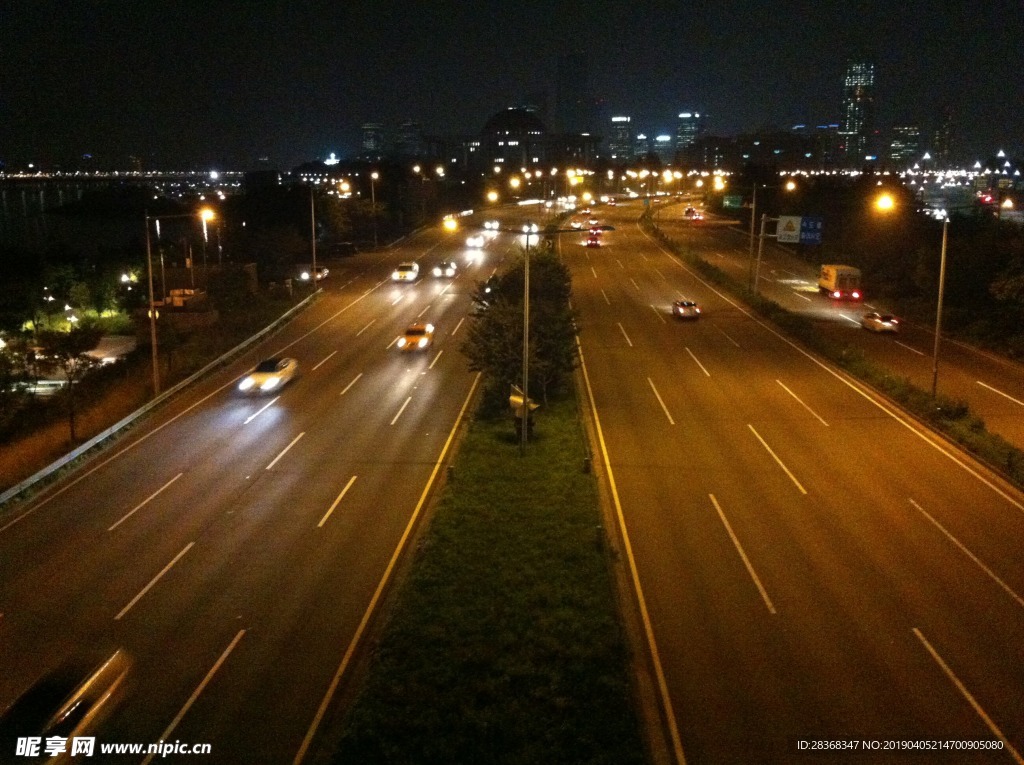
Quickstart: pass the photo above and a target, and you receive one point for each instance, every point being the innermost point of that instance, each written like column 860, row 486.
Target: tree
column 68, row 350
column 494, row 342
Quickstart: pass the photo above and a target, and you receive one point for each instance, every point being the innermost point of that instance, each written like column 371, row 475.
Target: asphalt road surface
column 813, row 566
column 234, row 545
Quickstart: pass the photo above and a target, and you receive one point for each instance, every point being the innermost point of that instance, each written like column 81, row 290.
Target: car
column 593, row 241
column 593, row 222
column 475, row 242
column 612, row 203
column 406, row 272
column 306, row 273
column 692, row 213
column 418, row 337
column 686, row 309
column 576, row 224
column 445, row 268
column 880, row 322
column 68, row 702
column 269, row 375
column 585, row 211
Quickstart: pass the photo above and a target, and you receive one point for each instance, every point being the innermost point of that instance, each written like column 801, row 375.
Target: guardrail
column 16, row 491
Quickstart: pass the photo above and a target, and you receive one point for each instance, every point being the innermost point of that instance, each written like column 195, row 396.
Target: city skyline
column 233, row 83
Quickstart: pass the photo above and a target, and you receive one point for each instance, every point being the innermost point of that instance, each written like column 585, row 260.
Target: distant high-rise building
column 943, row 142
column 373, row 140
column 641, row 146
column 857, row 124
column 573, row 104
column 409, row 139
column 905, row 145
column 691, row 125
column 664, row 149
column 620, row 139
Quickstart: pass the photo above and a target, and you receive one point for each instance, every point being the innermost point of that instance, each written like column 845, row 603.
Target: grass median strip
column 504, row 643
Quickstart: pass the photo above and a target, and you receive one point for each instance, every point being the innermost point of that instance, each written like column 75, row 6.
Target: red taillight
column 837, row 294
column 855, row 295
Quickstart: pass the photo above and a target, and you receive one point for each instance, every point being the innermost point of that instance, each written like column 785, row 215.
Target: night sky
column 223, row 83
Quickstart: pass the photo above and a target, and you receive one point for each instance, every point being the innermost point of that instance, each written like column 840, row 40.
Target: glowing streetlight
column 492, row 196
column 373, row 203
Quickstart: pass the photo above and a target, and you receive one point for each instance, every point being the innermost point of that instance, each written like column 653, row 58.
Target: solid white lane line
column 852, row 321
column 605, row 295
column 261, row 410
column 801, row 295
column 144, row 502
column 166, row 735
column 660, row 401
column 385, row 578
column 668, row 713
column 702, row 369
column 285, row 450
column 658, row 313
column 994, row 390
column 401, row 410
column 972, row 556
column 153, row 581
column 743, row 555
column 327, row 515
column 354, row 381
column 365, row 328
column 324, row 361
column 970, row 699
column 623, row 330
column 436, row 358
column 777, row 460
column 791, row 393
column 457, row 326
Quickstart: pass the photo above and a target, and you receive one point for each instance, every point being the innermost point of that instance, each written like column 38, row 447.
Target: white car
column 306, row 274
column 880, row 322
column 406, row 272
column 475, row 242
column 269, row 375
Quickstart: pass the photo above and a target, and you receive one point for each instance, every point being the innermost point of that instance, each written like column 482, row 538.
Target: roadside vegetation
column 951, row 417
column 504, row 642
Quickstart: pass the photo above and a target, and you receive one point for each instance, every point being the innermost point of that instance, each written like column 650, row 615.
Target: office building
column 373, row 144
column 904, row 146
column 689, row 129
column 620, row 139
column 857, row 124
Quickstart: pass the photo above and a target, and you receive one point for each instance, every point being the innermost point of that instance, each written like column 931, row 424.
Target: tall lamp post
column 531, row 229
column 938, row 308
column 206, row 214
column 373, row 203
column 312, row 237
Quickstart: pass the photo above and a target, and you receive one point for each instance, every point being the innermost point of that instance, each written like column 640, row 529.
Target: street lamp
column 149, row 276
column 531, row 229
column 373, row 204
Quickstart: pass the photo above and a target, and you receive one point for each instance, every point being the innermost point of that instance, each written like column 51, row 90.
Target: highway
column 235, row 545
column 812, row 565
column 993, row 386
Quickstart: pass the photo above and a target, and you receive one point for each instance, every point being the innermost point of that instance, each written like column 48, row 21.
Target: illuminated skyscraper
column 620, row 142
column 689, row 129
column 857, row 123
